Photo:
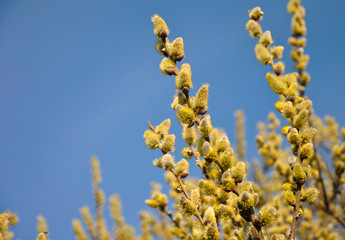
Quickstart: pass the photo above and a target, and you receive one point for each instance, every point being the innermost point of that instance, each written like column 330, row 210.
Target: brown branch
column 196, row 213
column 296, row 213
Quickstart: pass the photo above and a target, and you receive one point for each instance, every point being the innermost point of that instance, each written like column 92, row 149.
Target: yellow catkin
column 78, row 230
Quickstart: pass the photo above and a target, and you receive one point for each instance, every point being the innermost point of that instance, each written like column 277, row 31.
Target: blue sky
column 81, row 78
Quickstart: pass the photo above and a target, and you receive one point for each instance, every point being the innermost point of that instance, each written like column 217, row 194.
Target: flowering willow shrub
column 294, row 192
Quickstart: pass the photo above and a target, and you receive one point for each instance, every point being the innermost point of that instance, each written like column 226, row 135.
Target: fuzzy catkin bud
column 256, row 13
column 201, row 98
column 262, row 54
column 298, row 173
column 208, row 187
column 184, row 78
column 187, row 152
column 205, row 126
column 222, row 144
column 228, row 183
column 182, row 168
column 288, row 110
column 185, row 114
column 209, row 215
column 189, row 134
column 160, row 46
column 293, row 136
column 167, row 162
column 253, row 28
column 210, row 153
column 176, row 51
column 168, row 144
column 78, row 230
column 160, row 29
column 307, row 151
column 163, row 128
column 246, row 200
column 266, row 39
column 286, row 130
column 301, row 119
column 187, row 207
column 239, row 172
column 279, row 68
column 277, row 52
column 309, row 195
column 167, row 66
column 42, row 236
column 308, row 134
column 227, row 160
column 212, row 231
column 290, row 197
column 275, row 83
column 151, row 139
column 267, row 216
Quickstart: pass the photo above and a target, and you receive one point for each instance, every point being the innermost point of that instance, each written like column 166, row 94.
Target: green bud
column 301, row 119
column 307, row 151
column 266, row 39
column 205, row 126
column 168, row 144
column 201, row 98
column 184, row 78
column 253, row 28
column 275, row 83
column 277, row 52
column 293, row 136
column 151, row 139
column 298, row 173
column 262, row 54
column 167, row 162
column 182, row 168
column 185, row 114
column 239, row 172
column 160, row 29
column 309, row 195
column 176, row 51
column 167, row 66
column 256, row 13
column 163, row 128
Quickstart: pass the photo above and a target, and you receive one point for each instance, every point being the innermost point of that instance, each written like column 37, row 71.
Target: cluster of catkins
column 222, row 202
